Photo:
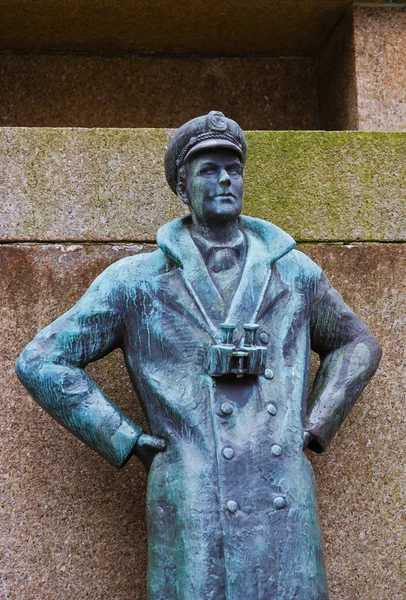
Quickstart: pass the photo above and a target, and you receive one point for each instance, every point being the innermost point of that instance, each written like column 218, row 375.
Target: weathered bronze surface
column 216, row 327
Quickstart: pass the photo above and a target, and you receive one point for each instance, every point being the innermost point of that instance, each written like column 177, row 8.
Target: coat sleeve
column 349, row 356
column 51, row 367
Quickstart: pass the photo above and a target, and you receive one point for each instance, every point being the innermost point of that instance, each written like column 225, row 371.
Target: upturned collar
column 266, row 243
column 174, row 239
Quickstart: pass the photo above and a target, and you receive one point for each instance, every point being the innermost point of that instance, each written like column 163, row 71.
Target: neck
column 223, row 232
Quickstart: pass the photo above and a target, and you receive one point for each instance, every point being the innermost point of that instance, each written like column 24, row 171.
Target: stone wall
column 109, row 185
column 146, row 91
column 349, row 75
column 361, row 71
column 380, row 51
column 72, row 202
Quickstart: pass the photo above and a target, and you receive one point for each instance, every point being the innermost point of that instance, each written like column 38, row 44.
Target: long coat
column 232, row 511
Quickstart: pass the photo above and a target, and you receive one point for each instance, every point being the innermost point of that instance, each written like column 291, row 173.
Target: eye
column 207, row 171
column 235, row 171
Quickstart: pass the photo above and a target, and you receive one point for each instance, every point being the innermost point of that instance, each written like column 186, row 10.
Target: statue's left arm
column 349, row 356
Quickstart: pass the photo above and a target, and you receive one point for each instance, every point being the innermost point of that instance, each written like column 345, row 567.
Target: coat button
column 271, row 408
column 232, row 506
column 279, row 502
column 228, row 453
column 276, row 450
column 227, row 408
column 268, row 373
column 264, row 337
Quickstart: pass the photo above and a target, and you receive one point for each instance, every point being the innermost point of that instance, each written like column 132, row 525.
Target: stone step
column 62, row 184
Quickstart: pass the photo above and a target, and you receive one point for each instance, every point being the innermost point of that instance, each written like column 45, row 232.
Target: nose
column 224, row 178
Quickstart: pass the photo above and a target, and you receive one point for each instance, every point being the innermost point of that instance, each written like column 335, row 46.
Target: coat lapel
column 259, row 286
column 275, row 290
column 175, row 240
column 173, row 292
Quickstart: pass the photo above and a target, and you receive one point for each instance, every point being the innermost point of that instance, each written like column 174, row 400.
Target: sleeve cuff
column 123, row 443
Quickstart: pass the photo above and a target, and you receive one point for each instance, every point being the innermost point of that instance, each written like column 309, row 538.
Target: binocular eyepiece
column 226, row 359
column 227, row 333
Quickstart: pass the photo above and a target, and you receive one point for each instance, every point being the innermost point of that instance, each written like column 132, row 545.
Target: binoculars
column 226, row 359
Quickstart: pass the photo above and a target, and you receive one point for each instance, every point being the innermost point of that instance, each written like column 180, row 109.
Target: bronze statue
column 216, row 327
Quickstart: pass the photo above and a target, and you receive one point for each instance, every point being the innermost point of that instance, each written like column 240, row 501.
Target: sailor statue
column 216, row 327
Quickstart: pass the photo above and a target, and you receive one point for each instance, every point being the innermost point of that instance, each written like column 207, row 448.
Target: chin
column 226, row 215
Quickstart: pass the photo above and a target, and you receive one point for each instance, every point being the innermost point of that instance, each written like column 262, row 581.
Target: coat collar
column 175, row 241
column 266, row 244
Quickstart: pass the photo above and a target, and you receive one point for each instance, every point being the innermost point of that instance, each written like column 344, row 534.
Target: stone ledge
column 108, row 184
column 230, row 27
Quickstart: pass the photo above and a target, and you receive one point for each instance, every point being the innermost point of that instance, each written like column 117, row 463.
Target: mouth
column 224, row 195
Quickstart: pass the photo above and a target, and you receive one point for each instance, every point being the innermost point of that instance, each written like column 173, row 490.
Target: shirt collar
column 206, row 246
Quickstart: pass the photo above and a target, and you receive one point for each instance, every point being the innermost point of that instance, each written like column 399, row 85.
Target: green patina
column 342, row 185
column 109, row 184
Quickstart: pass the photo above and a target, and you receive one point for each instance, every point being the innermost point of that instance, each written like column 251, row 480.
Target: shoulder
column 130, row 272
column 300, row 265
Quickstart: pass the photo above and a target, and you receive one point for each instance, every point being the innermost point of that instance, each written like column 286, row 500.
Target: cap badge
column 216, row 121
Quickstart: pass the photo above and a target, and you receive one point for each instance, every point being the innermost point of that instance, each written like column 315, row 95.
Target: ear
column 181, row 192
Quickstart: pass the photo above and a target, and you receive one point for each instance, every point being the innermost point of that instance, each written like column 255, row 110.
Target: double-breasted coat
column 231, row 501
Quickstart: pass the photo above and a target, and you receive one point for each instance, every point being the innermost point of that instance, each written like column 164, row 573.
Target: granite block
column 62, row 184
column 361, row 71
column 73, row 527
column 150, row 91
column 380, row 54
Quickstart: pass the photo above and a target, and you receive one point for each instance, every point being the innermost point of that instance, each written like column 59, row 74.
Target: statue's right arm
column 51, row 367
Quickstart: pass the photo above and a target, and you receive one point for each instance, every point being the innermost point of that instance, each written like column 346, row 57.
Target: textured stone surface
column 134, row 91
column 380, row 51
column 78, row 184
column 70, row 525
column 361, row 480
column 73, row 527
column 231, row 27
column 362, row 74
column 337, row 81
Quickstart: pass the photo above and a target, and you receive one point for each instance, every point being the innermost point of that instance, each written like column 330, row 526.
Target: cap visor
column 213, row 144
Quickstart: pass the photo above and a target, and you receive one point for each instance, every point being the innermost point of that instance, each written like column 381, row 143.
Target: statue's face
column 214, row 185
